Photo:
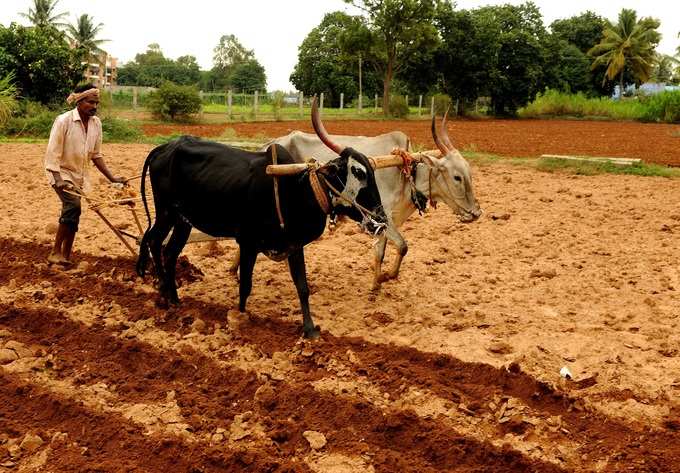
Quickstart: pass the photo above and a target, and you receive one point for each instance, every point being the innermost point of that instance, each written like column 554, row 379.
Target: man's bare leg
column 56, row 256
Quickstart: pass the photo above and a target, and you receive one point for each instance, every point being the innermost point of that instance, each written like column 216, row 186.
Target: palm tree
column 83, row 35
column 42, row 14
column 8, row 97
column 628, row 45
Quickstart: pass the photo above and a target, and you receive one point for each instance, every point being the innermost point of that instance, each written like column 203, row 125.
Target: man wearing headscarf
column 75, row 139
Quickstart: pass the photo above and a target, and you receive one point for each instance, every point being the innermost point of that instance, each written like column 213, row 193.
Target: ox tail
column 144, row 250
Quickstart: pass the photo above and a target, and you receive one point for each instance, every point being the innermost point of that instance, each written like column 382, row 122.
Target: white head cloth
column 77, row 97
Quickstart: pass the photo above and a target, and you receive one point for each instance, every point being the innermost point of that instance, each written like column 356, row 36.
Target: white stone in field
column 316, row 440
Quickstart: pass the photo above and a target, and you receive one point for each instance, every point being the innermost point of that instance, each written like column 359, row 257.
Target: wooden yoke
column 377, row 162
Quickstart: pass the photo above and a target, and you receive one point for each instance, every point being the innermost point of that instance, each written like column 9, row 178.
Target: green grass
column 583, row 168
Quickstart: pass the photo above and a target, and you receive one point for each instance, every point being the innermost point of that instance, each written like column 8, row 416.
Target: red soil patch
column 653, row 143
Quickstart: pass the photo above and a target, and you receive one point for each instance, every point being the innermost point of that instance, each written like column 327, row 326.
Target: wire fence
column 261, row 106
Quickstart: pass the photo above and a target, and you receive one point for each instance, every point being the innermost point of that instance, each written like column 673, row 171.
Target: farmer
column 75, row 138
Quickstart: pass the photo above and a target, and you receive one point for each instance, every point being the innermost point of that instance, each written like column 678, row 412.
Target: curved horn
column 444, row 134
column 437, row 140
column 321, row 131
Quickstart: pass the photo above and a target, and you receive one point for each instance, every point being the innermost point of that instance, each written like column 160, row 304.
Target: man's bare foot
column 57, row 258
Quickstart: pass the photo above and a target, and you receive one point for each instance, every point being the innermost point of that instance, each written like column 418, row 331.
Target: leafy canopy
column 628, row 44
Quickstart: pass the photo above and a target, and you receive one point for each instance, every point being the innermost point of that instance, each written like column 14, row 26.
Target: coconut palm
column 8, row 94
column 42, row 14
column 83, row 35
column 627, row 45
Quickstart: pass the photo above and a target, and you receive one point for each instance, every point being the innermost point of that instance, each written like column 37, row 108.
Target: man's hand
column 119, row 181
column 61, row 184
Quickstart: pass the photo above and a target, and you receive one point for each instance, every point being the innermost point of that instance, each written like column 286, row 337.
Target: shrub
column 175, row 102
column 442, row 103
column 277, row 99
column 398, row 106
column 8, row 100
column 37, row 125
column 115, row 129
column 663, row 107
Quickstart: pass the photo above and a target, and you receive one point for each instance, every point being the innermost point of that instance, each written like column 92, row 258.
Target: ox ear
column 430, row 161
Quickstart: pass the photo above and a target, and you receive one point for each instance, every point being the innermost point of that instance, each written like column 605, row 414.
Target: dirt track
column 653, row 143
column 455, row 367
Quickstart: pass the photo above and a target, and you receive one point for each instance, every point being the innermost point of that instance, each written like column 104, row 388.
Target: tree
column 249, row 76
column 663, row 69
column 43, row 15
column 151, row 68
column 399, row 29
column 628, row 45
column 84, row 34
column 227, row 55
column 567, row 68
column 583, row 31
column 45, row 66
column 328, row 59
column 8, row 100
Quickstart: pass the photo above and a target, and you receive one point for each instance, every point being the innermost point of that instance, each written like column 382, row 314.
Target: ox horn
column 321, row 131
column 437, row 139
column 444, row 134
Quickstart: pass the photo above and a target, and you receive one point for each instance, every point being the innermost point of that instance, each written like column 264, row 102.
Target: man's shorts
column 70, row 208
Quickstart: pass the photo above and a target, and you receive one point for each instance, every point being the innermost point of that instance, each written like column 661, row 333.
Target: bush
column 442, row 103
column 37, row 125
column 174, row 102
column 277, row 99
column 398, row 106
column 663, row 107
column 115, row 129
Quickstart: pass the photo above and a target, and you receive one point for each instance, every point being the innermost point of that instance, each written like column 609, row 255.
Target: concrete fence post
column 301, row 101
column 375, row 104
column 134, row 98
column 321, row 104
column 200, row 95
column 255, row 105
column 361, row 104
column 229, row 102
column 432, row 108
column 408, row 110
column 420, row 104
column 342, row 100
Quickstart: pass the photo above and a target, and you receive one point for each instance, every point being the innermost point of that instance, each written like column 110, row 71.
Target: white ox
column 444, row 179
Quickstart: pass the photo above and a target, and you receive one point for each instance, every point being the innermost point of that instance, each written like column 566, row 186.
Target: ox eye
column 359, row 173
column 457, row 178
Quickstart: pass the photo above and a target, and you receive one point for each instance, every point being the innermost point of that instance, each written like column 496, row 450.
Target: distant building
column 102, row 70
column 648, row 88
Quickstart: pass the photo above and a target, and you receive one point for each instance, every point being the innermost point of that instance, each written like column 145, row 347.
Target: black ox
column 225, row 192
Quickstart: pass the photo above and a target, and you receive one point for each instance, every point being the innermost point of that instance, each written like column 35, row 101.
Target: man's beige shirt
column 71, row 148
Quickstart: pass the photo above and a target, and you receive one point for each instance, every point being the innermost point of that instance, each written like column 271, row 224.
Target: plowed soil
column 455, row 366
column 653, row 143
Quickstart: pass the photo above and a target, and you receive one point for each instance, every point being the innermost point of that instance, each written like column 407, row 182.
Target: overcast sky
column 274, row 29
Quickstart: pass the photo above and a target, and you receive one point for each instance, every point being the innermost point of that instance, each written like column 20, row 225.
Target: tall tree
column 328, row 59
column 152, row 68
column 227, row 55
column 45, row 66
column 84, row 34
column 400, row 29
column 628, row 45
column 43, row 14
column 249, row 76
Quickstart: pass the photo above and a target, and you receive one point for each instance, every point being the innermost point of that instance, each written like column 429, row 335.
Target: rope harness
column 317, row 181
column 408, row 169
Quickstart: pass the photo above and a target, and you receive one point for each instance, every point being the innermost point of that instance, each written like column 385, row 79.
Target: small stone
column 7, row 356
column 316, row 440
column 21, row 350
column 31, row 443
column 5, row 333
column 45, row 284
column 198, row 326
column 500, row 348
